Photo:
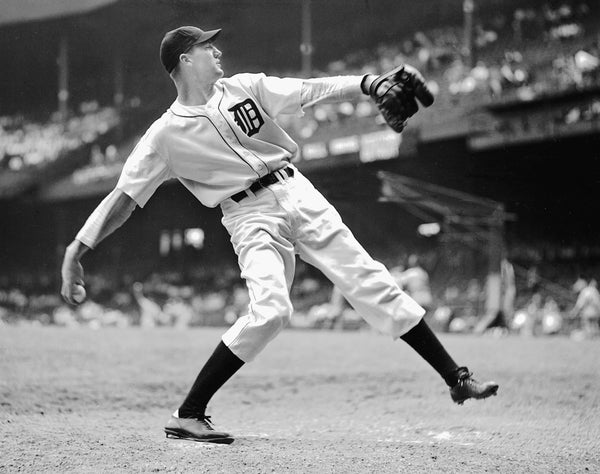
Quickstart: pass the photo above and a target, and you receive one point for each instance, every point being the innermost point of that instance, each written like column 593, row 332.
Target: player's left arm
column 332, row 89
column 288, row 95
column 395, row 93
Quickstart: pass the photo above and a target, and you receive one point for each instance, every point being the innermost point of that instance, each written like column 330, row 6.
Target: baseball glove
column 395, row 94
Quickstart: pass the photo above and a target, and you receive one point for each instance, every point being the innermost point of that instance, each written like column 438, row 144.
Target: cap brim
column 209, row 35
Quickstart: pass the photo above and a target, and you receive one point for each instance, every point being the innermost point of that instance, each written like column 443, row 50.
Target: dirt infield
column 313, row 402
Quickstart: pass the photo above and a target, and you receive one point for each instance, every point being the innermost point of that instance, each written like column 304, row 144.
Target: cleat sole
column 177, row 434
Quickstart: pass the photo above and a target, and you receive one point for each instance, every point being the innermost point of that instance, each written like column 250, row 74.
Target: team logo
column 247, row 117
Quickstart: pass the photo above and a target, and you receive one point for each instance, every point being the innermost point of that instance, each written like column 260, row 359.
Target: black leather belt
column 264, row 182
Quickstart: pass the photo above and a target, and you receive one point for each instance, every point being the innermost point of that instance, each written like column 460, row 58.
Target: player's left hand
column 396, row 93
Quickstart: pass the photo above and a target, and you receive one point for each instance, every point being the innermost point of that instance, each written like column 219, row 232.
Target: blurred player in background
column 220, row 139
column 415, row 281
column 587, row 308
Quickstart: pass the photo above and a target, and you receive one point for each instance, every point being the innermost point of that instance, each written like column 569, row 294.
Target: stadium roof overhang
column 22, row 11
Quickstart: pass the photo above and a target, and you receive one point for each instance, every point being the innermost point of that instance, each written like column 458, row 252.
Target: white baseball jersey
column 220, row 148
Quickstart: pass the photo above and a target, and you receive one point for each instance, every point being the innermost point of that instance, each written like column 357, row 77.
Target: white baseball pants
column 292, row 217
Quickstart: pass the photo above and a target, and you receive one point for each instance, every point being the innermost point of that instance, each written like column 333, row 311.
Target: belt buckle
column 260, row 184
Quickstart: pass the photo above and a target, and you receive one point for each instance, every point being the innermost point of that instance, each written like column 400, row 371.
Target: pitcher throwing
column 219, row 138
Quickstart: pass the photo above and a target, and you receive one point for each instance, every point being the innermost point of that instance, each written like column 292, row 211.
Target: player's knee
column 277, row 322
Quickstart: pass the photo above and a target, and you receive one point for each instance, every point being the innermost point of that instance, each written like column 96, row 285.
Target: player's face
column 206, row 61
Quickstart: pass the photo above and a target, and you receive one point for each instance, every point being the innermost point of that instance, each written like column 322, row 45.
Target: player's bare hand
column 72, row 279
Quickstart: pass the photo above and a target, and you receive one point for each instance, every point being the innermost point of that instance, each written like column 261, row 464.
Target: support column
column 468, row 53
column 306, row 47
column 63, row 77
column 118, row 93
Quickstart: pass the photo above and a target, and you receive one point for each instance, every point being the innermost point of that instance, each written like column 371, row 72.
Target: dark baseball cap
column 180, row 40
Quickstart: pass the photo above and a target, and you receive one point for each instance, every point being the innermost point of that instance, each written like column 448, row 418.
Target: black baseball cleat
column 467, row 387
column 196, row 429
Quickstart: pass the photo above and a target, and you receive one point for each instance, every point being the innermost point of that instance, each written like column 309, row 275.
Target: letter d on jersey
column 247, row 117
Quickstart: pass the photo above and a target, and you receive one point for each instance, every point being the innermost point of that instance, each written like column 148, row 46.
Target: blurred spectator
column 211, row 307
column 533, row 279
column 442, row 318
column 179, row 313
column 151, row 313
column 509, row 290
column 585, row 61
column 91, row 313
column 527, row 320
column 415, row 281
column 336, row 308
column 336, row 313
column 238, row 305
column 587, row 308
column 65, row 316
column 96, row 155
column 552, row 320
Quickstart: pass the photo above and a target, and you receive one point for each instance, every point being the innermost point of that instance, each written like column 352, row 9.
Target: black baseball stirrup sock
column 219, row 368
column 422, row 339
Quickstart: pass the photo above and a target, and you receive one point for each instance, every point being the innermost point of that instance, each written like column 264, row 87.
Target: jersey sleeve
column 277, row 96
column 144, row 171
column 330, row 89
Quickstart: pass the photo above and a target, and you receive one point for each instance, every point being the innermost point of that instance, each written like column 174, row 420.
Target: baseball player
column 220, row 139
column 415, row 281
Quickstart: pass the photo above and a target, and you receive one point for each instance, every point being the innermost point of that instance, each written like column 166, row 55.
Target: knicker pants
column 292, row 217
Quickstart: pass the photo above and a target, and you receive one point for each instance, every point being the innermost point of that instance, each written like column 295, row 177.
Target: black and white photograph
column 299, row 236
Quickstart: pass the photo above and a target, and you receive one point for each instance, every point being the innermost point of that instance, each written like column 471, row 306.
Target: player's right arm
column 110, row 214
column 143, row 172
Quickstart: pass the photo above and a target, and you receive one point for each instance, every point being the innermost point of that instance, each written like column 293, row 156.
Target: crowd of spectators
column 103, row 164
column 206, row 296
column 581, row 113
column 549, row 297
column 26, row 144
column 510, row 60
column 548, row 281
column 518, row 62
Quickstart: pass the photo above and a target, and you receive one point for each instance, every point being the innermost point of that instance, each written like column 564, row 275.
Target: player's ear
column 184, row 58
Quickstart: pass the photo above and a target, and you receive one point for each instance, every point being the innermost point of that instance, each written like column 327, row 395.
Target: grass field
column 313, row 402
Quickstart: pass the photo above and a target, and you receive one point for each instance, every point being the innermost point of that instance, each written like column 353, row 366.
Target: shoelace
column 465, row 377
column 206, row 420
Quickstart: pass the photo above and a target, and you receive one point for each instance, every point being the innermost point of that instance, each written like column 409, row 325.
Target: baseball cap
column 179, row 40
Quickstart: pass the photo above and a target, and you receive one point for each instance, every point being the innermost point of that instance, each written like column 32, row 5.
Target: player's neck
column 194, row 94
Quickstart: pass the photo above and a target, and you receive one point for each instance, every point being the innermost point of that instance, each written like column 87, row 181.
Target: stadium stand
column 511, row 64
column 27, row 144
